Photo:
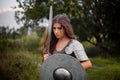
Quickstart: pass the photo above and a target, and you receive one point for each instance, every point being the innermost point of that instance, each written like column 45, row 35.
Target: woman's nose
column 56, row 30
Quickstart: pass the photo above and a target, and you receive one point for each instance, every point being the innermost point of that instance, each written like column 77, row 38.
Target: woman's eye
column 54, row 28
column 60, row 28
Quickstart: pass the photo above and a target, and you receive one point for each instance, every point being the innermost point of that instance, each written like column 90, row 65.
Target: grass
column 104, row 69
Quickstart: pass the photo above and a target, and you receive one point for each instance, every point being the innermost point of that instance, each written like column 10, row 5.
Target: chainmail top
column 75, row 47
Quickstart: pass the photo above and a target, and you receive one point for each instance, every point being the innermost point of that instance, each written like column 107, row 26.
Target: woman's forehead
column 56, row 25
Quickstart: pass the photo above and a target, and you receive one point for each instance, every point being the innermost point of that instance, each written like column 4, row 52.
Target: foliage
column 101, row 22
column 98, row 19
column 7, row 39
column 91, row 50
column 29, row 43
column 19, row 66
column 7, row 33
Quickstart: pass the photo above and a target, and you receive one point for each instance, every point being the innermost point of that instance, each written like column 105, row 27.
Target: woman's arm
column 86, row 64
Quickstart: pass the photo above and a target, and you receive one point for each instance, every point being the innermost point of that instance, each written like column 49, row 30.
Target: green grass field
column 104, row 69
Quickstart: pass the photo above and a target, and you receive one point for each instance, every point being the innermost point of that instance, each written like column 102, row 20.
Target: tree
column 6, row 37
column 102, row 23
column 95, row 21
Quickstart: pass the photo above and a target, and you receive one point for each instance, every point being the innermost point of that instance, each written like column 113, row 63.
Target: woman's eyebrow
column 57, row 27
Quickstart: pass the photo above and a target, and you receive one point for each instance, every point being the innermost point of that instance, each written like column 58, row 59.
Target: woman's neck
column 63, row 39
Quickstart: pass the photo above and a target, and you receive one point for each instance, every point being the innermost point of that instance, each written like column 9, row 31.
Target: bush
column 9, row 45
column 19, row 66
column 91, row 50
column 31, row 43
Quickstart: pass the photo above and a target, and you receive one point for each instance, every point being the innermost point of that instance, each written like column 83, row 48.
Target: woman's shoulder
column 77, row 45
column 75, row 42
column 73, row 46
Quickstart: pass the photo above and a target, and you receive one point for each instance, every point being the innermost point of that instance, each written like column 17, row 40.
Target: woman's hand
column 46, row 56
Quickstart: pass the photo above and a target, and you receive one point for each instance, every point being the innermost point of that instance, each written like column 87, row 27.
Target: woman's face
column 58, row 31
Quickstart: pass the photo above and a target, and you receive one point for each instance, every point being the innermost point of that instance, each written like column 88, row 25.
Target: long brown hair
column 65, row 23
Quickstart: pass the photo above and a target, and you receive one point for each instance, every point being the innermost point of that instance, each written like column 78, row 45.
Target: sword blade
column 49, row 28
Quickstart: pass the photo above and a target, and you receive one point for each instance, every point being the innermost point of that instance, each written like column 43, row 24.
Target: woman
column 63, row 40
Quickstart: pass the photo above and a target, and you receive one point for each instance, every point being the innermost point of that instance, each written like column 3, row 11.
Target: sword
column 49, row 29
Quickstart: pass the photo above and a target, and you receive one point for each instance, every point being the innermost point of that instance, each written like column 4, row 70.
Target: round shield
column 62, row 65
